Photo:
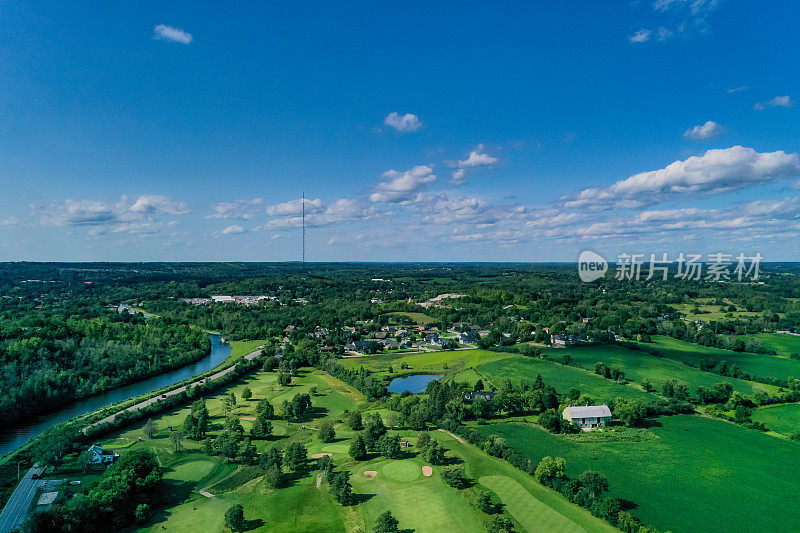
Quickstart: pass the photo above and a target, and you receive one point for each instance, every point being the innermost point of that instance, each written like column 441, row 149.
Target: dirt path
column 459, row 439
column 319, row 480
column 208, row 495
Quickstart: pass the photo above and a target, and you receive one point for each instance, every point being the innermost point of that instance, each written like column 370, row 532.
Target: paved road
column 212, row 377
column 17, row 507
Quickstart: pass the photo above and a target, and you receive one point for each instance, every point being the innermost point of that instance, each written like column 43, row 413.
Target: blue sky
column 460, row 131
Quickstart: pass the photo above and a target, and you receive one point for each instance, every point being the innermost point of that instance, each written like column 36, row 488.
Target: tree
column 354, row 421
column 234, row 518
column 273, row 476
column 84, row 460
column 389, row 446
column 485, row 502
column 149, row 428
column 549, row 469
column 552, row 421
column 284, row 379
column 454, row 476
column 742, row 414
column 358, row 449
column 247, row 393
column 175, row 437
column 340, row 487
column 142, row 510
column 296, row 456
column 434, row 453
column 273, row 456
column 326, row 432
column 325, row 464
column 423, row 440
column 386, row 523
column 501, row 524
column 630, row 412
column 248, row 454
column 262, row 427
column 264, row 408
column 595, row 482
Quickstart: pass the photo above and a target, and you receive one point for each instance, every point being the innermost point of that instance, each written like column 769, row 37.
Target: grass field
column 783, row 344
column 447, row 363
column 563, row 378
column 783, row 418
column 700, row 474
column 639, row 365
column 421, row 319
column 758, row 364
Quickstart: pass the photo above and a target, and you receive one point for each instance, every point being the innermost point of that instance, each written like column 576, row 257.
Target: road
column 16, row 509
column 178, row 390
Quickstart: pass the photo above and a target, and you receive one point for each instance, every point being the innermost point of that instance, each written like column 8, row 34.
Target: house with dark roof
column 588, row 417
column 468, row 337
column 484, row 394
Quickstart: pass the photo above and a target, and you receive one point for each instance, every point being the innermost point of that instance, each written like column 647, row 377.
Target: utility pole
column 304, row 226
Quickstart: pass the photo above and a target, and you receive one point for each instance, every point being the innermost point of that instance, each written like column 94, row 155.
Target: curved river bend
column 13, row 438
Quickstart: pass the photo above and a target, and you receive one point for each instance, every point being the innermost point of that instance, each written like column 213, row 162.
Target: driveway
column 16, row 510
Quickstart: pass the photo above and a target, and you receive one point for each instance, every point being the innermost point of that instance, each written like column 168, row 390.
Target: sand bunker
column 370, row 473
column 318, row 455
column 248, row 418
column 427, row 471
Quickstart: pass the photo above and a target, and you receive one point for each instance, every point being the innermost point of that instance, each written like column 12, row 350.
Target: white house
column 101, row 456
column 588, row 416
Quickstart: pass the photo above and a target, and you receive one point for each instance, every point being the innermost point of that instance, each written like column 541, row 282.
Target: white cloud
column 778, row 101
column 342, row 210
column 405, row 123
column 162, row 32
column 703, row 132
column 243, row 209
column 153, row 204
column 295, row 207
column 715, row 172
column 738, row 89
column 477, row 158
column 399, row 187
column 458, row 177
column 233, row 230
column 641, row 36
column 9, row 222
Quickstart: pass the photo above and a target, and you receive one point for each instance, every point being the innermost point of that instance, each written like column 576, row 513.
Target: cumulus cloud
column 397, row 187
column 295, row 207
column 738, row 89
column 243, row 209
column 641, row 36
column 126, row 215
column 162, row 32
column 703, row 132
column 477, row 158
column 404, row 123
column 233, row 230
column 778, row 101
column 715, row 172
column 458, row 177
column 340, row 211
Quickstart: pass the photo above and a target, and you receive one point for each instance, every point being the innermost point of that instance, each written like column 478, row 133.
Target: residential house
column 563, row 340
column 485, row 394
column 100, row 456
column 468, row 337
column 588, row 417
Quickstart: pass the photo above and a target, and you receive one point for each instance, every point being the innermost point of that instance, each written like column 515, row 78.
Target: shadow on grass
column 250, row 525
column 627, row 505
column 361, row 498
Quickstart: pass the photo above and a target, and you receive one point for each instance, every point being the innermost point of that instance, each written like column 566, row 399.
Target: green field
column 639, row 365
column 420, row 319
column 758, row 364
column 783, row 344
column 711, row 312
column 563, row 378
column 782, row 418
column 448, row 363
column 700, row 474
column 420, row 503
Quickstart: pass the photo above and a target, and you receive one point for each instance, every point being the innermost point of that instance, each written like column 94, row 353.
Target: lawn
column 639, row 365
column 711, row 312
column 563, row 378
column 782, row 418
column 421, row 319
column 448, row 363
column 700, row 474
column 758, row 364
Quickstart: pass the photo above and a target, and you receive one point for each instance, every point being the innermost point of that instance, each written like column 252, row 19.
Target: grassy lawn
column 711, row 312
column 639, row 365
column 447, row 363
column 563, row 378
column 241, row 348
column 700, row 474
column 421, row 319
column 758, row 364
column 783, row 418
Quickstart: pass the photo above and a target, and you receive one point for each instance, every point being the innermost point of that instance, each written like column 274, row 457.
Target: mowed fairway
column 783, row 343
column 434, row 362
column 758, row 364
column 531, row 514
column 699, row 475
column 784, row 419
column 639, row 365
column 561, row 377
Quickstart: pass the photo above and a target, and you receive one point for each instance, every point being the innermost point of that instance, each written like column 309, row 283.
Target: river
column 11, row 439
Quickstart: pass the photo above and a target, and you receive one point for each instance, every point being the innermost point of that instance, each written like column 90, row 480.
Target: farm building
column 588, row 416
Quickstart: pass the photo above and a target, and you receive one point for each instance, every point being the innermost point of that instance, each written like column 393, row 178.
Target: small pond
column 413, row 384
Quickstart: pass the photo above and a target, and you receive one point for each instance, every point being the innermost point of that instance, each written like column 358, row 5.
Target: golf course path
column 319, row 480
column 209, row 495
column 459, row 439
